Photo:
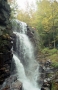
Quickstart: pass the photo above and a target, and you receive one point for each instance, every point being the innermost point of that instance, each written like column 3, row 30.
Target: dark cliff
column 5, row 41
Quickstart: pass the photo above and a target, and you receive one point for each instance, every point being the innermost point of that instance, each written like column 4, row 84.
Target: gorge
column 25, row 62
column 22, row 71
column 17, row 36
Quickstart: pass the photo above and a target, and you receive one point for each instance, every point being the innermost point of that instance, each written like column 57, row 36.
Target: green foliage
column 54, row 59
column 49, row 51
column 14, row 8
column 47, row 15
column 53, row 51
column 55, row 64
column 45, row 51
column 53, row 55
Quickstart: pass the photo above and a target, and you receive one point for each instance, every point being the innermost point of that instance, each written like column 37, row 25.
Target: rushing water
column 26, row 65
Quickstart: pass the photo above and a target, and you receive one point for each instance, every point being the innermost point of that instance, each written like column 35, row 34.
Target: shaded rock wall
column 5, row 40
column 7, row 81
column 34, row 38
column 4, row 12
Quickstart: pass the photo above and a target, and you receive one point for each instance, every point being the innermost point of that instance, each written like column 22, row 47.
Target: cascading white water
column 26, row 65
column 27, row 84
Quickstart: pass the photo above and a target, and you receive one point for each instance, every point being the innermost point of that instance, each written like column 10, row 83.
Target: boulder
column 11, row 83
column 16, row 85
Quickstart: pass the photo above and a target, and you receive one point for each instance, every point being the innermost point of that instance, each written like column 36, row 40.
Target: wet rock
column 16, row 85
column 11, row 83
column 56, row 80
column 31, row 32
column 5, row 25
column 5, row 41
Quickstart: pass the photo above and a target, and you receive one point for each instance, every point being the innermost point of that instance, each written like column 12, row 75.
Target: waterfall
column 26, row 65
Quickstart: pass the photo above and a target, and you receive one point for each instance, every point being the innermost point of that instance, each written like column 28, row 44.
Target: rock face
column 5, row 57
column 34, row 38
column 4, row 12
column 5, row 41
column 11, row 83
column 5, row 25
column 31, row 32
column 47, row 75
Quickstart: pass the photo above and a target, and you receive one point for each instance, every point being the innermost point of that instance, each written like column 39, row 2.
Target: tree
column 27, row 15
column 14, row 8
column 47, row 15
